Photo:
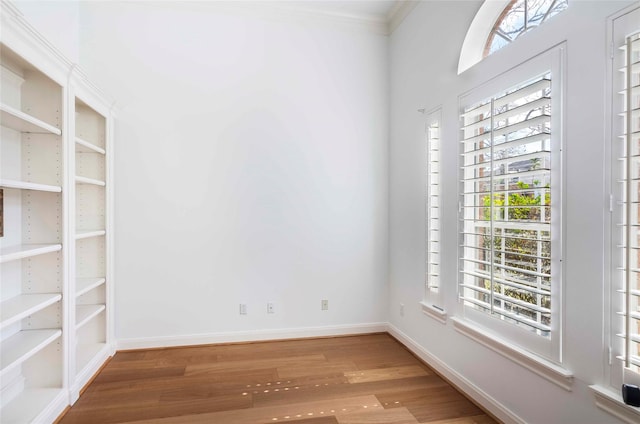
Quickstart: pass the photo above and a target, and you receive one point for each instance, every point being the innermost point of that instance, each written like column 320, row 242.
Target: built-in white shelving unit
column 90, row 270
column 55, row 243
column 33, row 242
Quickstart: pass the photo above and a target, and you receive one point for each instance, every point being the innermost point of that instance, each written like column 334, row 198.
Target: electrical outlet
column 243, row 309
column 402, row 309
column 324, row 305
column 271, row 309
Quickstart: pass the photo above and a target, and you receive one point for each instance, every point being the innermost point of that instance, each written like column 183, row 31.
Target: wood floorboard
column 317, row 420
column 395, row 416
column 390, row 373
column 367, row 379
column 288, row 363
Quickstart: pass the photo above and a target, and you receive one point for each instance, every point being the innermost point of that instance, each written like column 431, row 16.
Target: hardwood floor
column 342, row 380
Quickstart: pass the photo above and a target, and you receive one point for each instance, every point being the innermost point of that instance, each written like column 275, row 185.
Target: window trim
column 611, row 401
column 554, row 60
column 549, row 370
column 434, row 312
column 478, row 33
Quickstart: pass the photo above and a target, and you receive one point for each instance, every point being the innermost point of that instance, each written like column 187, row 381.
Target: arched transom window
column 501, row 22
column 519, row 17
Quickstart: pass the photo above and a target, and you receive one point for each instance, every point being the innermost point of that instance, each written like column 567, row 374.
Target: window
column 519, row 17
column 510, row 206
column 500, row 22
column 432, row 215
column 626, row 198
column 623, row 303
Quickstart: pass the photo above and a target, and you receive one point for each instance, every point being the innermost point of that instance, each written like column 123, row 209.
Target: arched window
column 519, row 17
column 500, row 22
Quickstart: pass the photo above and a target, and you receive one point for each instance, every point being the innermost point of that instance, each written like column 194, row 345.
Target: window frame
column 481, row 28
column 552, row 60
column 433, row 299
column 616, row 373
column 526, row 28
column 607, row 393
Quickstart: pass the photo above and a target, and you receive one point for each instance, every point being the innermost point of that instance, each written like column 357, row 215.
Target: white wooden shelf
column 84, row 313
column 23, row 185
column 84, row 285
column 87, row 147
column 23, row 122
column 19, row 307
column 22, row 251
column 26, row 407
column 23, row 345
column 86, row 353
column 85, row 180
column 89, row 233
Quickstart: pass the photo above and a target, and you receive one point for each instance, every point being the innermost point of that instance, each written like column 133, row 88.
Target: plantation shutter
column 629, row 199
column 506, row 205
column 432, row 206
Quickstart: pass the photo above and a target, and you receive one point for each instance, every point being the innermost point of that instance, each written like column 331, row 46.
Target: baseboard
column 55, row 409
column 88, row 373
column 249, row 336
column 458, row 380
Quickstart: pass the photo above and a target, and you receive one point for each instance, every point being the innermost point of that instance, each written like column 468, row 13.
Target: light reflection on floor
column 302, row 414
column 330, row 412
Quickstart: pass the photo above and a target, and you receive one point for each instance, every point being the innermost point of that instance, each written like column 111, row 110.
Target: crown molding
column 19, row 35
column 298, row 12
column 397, row 14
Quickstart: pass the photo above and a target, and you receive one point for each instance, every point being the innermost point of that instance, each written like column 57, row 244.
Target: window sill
column 438, row 314
column 611, row 401
column 544, row 368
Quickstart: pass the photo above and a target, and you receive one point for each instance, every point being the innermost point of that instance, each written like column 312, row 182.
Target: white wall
column 424, row 55
column 251, row 167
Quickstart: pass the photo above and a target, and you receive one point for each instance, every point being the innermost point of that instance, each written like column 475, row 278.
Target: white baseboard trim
column 474, row 392
column 249, row 336
column 89, row 371
column 54, row 410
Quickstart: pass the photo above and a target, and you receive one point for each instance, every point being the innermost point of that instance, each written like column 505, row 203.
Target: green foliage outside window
column 521, row 250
